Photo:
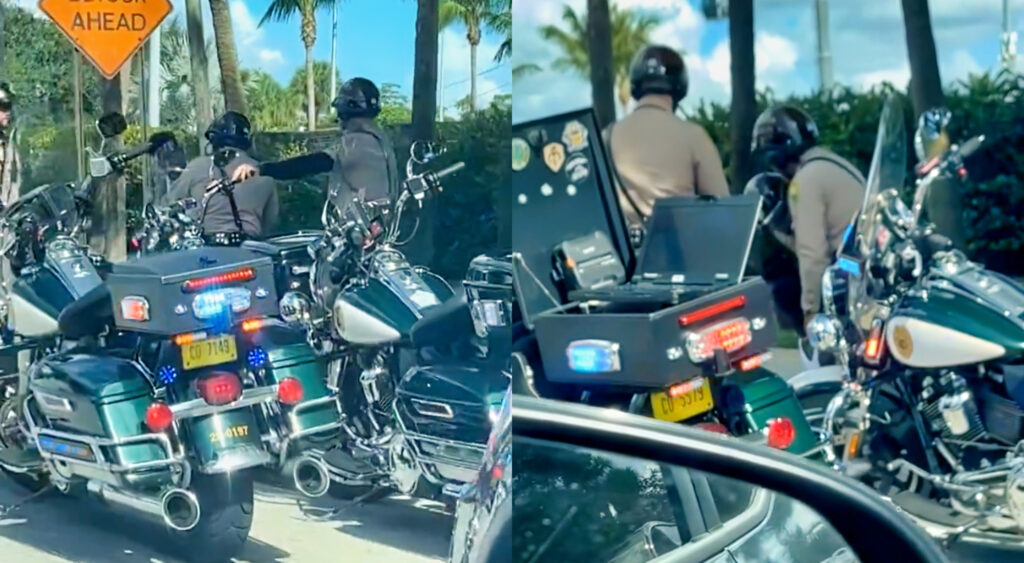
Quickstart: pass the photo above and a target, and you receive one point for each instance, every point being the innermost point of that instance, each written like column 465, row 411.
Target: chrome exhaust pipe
column 180, row 509
column 176, row 508
column 310, row 477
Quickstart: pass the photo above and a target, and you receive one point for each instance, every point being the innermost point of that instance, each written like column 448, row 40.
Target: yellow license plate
column 687, row 405
column 209, row 352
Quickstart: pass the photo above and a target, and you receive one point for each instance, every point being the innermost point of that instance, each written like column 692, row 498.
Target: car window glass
column 576, row 504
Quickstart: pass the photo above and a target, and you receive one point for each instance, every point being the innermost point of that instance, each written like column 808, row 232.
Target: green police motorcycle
column 926, row 400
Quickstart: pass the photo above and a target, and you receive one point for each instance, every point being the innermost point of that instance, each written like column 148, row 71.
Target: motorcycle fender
column 226, row 441
column 767, row 397
column 826, row 375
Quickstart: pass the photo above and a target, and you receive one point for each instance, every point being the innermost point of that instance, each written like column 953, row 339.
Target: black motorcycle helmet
column 358, row 97
column 6, row 100
column 781, row 135
column 230, row 130
column 657, row 69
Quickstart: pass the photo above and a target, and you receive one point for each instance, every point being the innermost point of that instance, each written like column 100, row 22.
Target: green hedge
column 989, row 104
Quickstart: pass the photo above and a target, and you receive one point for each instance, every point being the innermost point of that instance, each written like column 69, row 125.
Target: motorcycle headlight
column 296, row 308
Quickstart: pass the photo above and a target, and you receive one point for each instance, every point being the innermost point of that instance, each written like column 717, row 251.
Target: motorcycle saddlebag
column 447, row 412
column 285, row 353
column 100, row 396
column 766, row 396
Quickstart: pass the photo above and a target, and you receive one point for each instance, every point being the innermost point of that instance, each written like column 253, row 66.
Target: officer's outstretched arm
column 808, row 207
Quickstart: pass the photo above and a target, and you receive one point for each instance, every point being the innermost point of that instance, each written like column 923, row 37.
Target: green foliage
column 321, row 84
column 989, row 104
column 394, row 106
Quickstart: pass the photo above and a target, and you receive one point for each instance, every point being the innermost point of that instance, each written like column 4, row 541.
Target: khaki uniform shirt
column 10, row 169
column 364, row 163
column 658, row 155
column 824, row 196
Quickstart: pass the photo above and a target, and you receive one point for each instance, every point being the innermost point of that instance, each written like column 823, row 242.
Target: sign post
column 107, row 32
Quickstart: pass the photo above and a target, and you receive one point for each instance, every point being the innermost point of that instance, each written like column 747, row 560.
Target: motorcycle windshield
column 888, row 171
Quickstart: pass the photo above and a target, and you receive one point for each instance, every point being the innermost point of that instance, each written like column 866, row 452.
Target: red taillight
column 193, row 285
column 712, row 310
column 780, row 433
column 252, row 325
column 159, row 417
column 135, row 308
column 289, row 391
column 188, row 338
column 729, row 336
column 497, row 472
column 135, row 244
column 753, row 362
column 680, row 389
column 219, row 388
column 873, row 345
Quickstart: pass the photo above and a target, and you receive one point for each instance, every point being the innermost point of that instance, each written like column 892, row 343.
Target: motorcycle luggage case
column 766, row 396
column 446, row 410
column 290, row 254
column 100, row 396
column 490, row 292
column 288, row 355
column 651, row 343
column 160, row 278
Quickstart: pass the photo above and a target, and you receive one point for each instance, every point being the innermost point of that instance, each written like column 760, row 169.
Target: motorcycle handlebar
column 972, row 145
column 450, row 170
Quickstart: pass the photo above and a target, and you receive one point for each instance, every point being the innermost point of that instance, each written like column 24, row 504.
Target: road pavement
column 58, row 529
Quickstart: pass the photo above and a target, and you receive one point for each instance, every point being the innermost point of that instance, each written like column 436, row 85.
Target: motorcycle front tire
column 226, row 508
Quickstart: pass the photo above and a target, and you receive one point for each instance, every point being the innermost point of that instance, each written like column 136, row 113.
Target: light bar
column 197, row 284
column 705, row 313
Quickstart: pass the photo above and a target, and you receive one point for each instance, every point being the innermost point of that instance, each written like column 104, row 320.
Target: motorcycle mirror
column 111, row 125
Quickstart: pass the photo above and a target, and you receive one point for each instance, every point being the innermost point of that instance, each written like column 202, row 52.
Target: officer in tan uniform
column 824, row 193
column 10, row 164
column 656, row 154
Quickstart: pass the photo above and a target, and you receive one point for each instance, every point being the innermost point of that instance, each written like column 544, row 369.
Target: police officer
column 10, row 163
column 251, row 208
column 823, row 193
column 362, row 164
column 655, row 154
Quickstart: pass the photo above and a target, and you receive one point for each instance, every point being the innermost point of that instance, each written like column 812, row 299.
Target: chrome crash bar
column 97, row 444
column 293, row 421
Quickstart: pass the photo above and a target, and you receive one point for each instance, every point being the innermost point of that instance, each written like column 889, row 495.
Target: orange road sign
column 107, row 32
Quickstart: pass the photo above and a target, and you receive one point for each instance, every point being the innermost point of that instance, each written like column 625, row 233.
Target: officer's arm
column 808, row 206
column 708, row 172
column 298, row 167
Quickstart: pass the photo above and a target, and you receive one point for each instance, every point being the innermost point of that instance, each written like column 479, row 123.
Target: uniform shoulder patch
column 794, row 192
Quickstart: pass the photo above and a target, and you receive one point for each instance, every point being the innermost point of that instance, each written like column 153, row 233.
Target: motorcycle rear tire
column 226, row 508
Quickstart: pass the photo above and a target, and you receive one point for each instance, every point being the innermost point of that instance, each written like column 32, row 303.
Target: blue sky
column 375, row 40
column 868, row 46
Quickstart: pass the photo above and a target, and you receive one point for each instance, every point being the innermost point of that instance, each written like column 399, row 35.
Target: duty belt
column 225, row 239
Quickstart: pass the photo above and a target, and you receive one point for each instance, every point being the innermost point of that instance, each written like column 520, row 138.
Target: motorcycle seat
column 443, row 325
column 88, row 315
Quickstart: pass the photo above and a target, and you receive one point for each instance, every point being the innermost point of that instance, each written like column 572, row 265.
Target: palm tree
column 744, row 98
column 227, row 56
column 424, row 80
column 925, row 82
column 321, row 85
column 630, row 31
column 599, row 47
column 200, row 64
column 502, row 24
column 283, row 10
column 272, row 106
column 476, row 15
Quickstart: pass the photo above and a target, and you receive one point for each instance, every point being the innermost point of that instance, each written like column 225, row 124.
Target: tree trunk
column 107, row 235
column 3, row 39
column 472, row 76
column 199, row 65
column 424, row 81
column 602, row 76
column 925, row 82
column 227, row 56
column 310, row 90
column 744, row 101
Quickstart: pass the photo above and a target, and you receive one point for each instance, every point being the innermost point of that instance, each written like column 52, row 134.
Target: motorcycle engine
column 949, row 406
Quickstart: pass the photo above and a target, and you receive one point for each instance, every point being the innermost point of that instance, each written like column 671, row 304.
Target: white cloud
column 492, row 78
column 270, row 56
column 898, row 77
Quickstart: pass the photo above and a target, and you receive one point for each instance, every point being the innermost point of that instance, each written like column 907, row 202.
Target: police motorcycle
column 142, row 383
column 415, row 420
column 926, row 401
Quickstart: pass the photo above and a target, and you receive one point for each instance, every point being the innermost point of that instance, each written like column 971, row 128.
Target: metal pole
column 440, row 78
column 824, row 45
column 334, row 49
column 1008, row 50
column 154, row 78
column 79, row 132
